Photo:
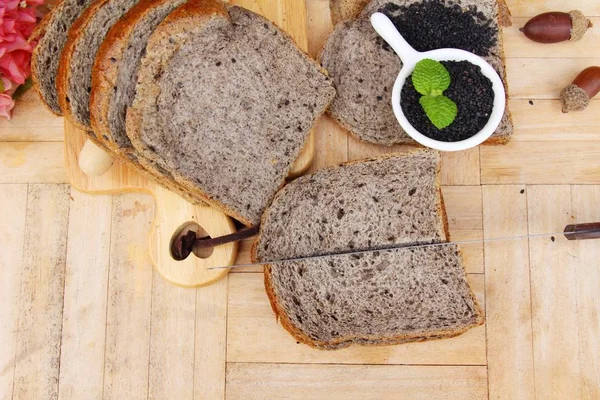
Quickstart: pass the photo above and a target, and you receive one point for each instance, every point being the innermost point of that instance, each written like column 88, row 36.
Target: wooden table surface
column 84, row 316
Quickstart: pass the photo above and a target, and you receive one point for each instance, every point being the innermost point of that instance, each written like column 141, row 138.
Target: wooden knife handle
column 583, row 231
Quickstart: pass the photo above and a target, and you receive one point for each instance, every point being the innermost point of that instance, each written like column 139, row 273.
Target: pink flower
column 17, row 22
column 6, row 101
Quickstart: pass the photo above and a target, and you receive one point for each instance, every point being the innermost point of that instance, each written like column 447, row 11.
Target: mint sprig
column 430, row 78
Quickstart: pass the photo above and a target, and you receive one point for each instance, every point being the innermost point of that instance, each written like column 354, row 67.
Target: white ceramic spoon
column 410, row 57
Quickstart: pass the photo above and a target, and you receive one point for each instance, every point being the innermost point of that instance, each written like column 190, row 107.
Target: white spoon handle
column 93, row 160
column 386, row 29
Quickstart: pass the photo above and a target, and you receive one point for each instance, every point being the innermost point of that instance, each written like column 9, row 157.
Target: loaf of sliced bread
column 387, row 201
column 74, row 79
column 46, row 54
column 364, row 69
column 381, row 298
column 376, row 297
column 230, row 131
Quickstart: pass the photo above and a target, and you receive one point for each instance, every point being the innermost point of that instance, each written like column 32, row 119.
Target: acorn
column 554, row 27
column 577, row 96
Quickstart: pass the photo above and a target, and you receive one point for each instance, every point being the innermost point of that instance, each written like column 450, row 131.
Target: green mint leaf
column 430, row 77
column 440, row 110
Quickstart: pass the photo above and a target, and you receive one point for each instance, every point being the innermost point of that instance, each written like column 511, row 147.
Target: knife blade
column 573, row 232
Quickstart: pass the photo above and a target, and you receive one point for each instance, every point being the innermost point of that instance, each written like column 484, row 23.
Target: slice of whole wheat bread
column 240, row 122
column 74, row 79
column 46, row 54
column 381, row 202
column 364, row 70
column 381, row 298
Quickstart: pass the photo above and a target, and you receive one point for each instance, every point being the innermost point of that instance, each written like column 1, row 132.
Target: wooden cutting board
column 172, row 212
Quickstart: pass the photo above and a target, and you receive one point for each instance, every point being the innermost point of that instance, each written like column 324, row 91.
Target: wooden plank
column 553, row 295
column 172, row 341
column 461, row 168
column 31, row 122
column 211, row 341
column 281, row 381
column 507, row 288
column 528, row 8
column 13, row 207
column 544, row 78
column 84, row 312
column 585, row 200
column 31, row 162
column 129, row 299
column 319, row 25
column 465, row 222
column 543, row 164
column 516, row 44
column 543, row 121
column 253, row 335
column 41, row 295
column 331, row 143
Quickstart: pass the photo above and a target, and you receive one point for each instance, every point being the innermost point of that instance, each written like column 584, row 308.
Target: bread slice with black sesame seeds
column 375, row 298
column 381, row 202
column 46, row 54
column 364, row 69
column 231, row 131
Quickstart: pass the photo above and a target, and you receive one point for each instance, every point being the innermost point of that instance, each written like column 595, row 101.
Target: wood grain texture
column 543, row 121
column 43, row 127
column 13, row 207
column 171, row 371
column 253, row 335
column 507, row 288
column 465, row 222
column 41, row 293
column 211, row 341
column 541, row 163
column 585, row 200
column 281, row 381
column 517, row 45
column 461, row 168
column 85, row 300
column 32, row 162
column 529, row 8
column 128, row 316
column 544, row 78
column 553, row 267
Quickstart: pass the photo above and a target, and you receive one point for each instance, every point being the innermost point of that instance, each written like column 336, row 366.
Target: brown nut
column 554, row 27
column 576, row 96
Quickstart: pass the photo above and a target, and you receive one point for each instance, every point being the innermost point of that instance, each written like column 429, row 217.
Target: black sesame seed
column 218, row 63
column 530, row 102
column 430, row 24
column 470, row 90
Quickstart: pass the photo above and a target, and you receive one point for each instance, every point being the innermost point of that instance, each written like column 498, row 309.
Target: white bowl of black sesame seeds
column 474, row 129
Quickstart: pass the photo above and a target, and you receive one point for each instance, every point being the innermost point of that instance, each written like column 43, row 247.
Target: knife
column 183, row 244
